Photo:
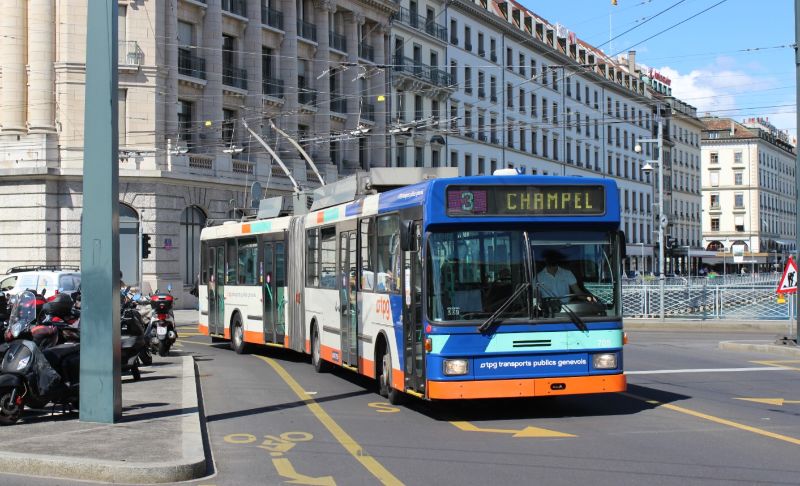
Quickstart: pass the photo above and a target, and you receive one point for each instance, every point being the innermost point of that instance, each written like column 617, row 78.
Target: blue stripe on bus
column 521, row 343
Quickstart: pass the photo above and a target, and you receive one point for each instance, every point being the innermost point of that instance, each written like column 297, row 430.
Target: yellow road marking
column 770, row 401
column 526, row 432
column 381, row 407
column 350, row 445
column 286, row 469
column 239, row 438
column 781, row 364
column 718, row 420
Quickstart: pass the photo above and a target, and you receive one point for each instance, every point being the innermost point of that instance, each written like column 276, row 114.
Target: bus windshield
column 471, row 275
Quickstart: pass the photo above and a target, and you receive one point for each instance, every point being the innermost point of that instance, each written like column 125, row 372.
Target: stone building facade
column 190, row 72
column 749, row 194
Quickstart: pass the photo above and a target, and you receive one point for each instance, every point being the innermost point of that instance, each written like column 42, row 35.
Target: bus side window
column 367, row 266
column 231, row 262
column 312, row 258
column 388, row 256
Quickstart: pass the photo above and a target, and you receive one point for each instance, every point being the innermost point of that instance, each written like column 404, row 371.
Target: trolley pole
column 797, row 158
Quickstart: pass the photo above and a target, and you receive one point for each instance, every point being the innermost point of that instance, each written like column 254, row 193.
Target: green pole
column 100, row 389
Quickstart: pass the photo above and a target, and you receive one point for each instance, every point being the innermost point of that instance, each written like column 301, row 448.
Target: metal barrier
column 747, row 297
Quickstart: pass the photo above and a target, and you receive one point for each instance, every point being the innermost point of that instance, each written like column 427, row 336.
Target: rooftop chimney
column 733, row 128
column 632, row 62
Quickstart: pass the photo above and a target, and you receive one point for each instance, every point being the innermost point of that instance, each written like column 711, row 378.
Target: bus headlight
column 454, row 367
column 604, row 361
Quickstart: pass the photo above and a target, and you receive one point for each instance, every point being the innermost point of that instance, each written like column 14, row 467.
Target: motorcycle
column 135, row 351
column 162, row 321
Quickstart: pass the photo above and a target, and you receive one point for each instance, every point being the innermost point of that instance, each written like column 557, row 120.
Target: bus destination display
column 525, row 201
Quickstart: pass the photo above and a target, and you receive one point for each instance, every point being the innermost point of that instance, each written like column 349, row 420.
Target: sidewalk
column 159, row 438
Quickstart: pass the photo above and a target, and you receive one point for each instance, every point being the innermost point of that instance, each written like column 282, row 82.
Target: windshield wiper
column 572, row 315
column 488, row 323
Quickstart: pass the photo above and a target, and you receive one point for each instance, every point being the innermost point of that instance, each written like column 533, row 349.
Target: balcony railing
column 233, row 76
column 272, row 17
column 337, row 41
column 306, row 30
column 366, row 51
column 130, row 54
column 338, row 103
column 368, row 111
column 307, row 96
column 422, row 24
column 238, row 7
column 191, row 65
column 421, row 71
column 272, row 87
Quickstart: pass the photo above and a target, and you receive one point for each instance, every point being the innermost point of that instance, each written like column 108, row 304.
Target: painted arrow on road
column 526, row 432
column 286, row 469
column 771, row 401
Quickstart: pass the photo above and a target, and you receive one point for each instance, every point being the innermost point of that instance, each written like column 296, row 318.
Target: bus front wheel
column 237, row 336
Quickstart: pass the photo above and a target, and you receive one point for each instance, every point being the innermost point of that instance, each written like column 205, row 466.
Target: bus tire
column 237, row 335
column 320, row 365
column 395, row 396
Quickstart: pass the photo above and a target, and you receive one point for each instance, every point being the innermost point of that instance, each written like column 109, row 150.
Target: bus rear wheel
column 395, row 396
column 320, row 365
column 237, row 336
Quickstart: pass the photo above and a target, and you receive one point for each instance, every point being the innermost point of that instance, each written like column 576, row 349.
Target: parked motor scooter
column 135, row 351
column 161, row 331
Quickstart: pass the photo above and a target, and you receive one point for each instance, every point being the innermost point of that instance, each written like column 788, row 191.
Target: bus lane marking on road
column 350, row 445
column 718, row 420
column 277, row 447
column 528, row 431
column 770, row 401
column 781, row 364
column 381, row 407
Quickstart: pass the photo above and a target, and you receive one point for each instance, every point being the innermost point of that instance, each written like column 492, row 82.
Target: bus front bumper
column 527, row 387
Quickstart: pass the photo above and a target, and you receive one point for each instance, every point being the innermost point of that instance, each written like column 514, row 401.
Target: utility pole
column 100, row 390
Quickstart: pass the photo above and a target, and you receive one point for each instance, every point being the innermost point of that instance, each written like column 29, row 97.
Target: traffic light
column 145, row 245
column 671, row 242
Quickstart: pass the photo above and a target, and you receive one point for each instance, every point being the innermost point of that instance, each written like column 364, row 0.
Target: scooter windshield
column 24, row 312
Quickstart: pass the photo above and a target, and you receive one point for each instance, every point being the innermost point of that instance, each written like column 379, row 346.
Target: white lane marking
column 707, row 370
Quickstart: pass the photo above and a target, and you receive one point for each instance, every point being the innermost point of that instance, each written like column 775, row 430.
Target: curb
column 707, row 325
column 191, row 466
column 760, row 347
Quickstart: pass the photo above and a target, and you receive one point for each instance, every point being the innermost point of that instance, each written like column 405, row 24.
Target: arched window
column 129, row 252
column 715, row 246
column 193, row 220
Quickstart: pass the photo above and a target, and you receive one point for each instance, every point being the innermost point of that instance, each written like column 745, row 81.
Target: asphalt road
column 271, row 419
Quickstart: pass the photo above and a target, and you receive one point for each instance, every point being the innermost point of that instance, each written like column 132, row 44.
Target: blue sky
column 705, row 57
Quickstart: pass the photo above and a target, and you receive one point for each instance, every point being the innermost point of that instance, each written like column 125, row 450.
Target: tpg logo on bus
column 384, row 308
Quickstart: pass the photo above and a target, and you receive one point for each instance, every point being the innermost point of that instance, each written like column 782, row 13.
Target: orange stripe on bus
column 532, row 387
column 398, row 379
column 246, row 228
column 227, row 333
column 256, row 337
column 308, row 346
column 320, row 217
column 286, row 341
column 366, row 367
column 326, row 353
column 202, row 329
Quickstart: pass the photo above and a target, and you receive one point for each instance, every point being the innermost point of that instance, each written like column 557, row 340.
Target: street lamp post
column 662, row 218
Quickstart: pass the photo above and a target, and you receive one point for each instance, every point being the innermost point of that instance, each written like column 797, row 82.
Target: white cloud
column 727, row 89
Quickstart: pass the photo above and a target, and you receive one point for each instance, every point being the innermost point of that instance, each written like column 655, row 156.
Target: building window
column 714, row 224
column 185, row 109
column 714, row 157
column 738, row 178
column 738, row 200
column 419, row 157
column 192, row 221
column 737, row 157
column 467, row 165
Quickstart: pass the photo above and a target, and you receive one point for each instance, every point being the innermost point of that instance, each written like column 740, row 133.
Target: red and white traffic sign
column 788, row 281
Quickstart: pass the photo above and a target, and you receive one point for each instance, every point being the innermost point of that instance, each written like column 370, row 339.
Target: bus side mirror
column 623, row 254
column 408, row 238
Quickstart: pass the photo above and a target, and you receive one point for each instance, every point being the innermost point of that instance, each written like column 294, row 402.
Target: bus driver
column 558, row 282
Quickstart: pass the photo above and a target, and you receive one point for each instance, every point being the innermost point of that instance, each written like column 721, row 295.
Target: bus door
column 216, row 290
column 273, row 288
column 268, row 293
column 413, row 338
column 347, row 297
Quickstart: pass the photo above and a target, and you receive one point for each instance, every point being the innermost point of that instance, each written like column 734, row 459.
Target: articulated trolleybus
column 449, row 288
